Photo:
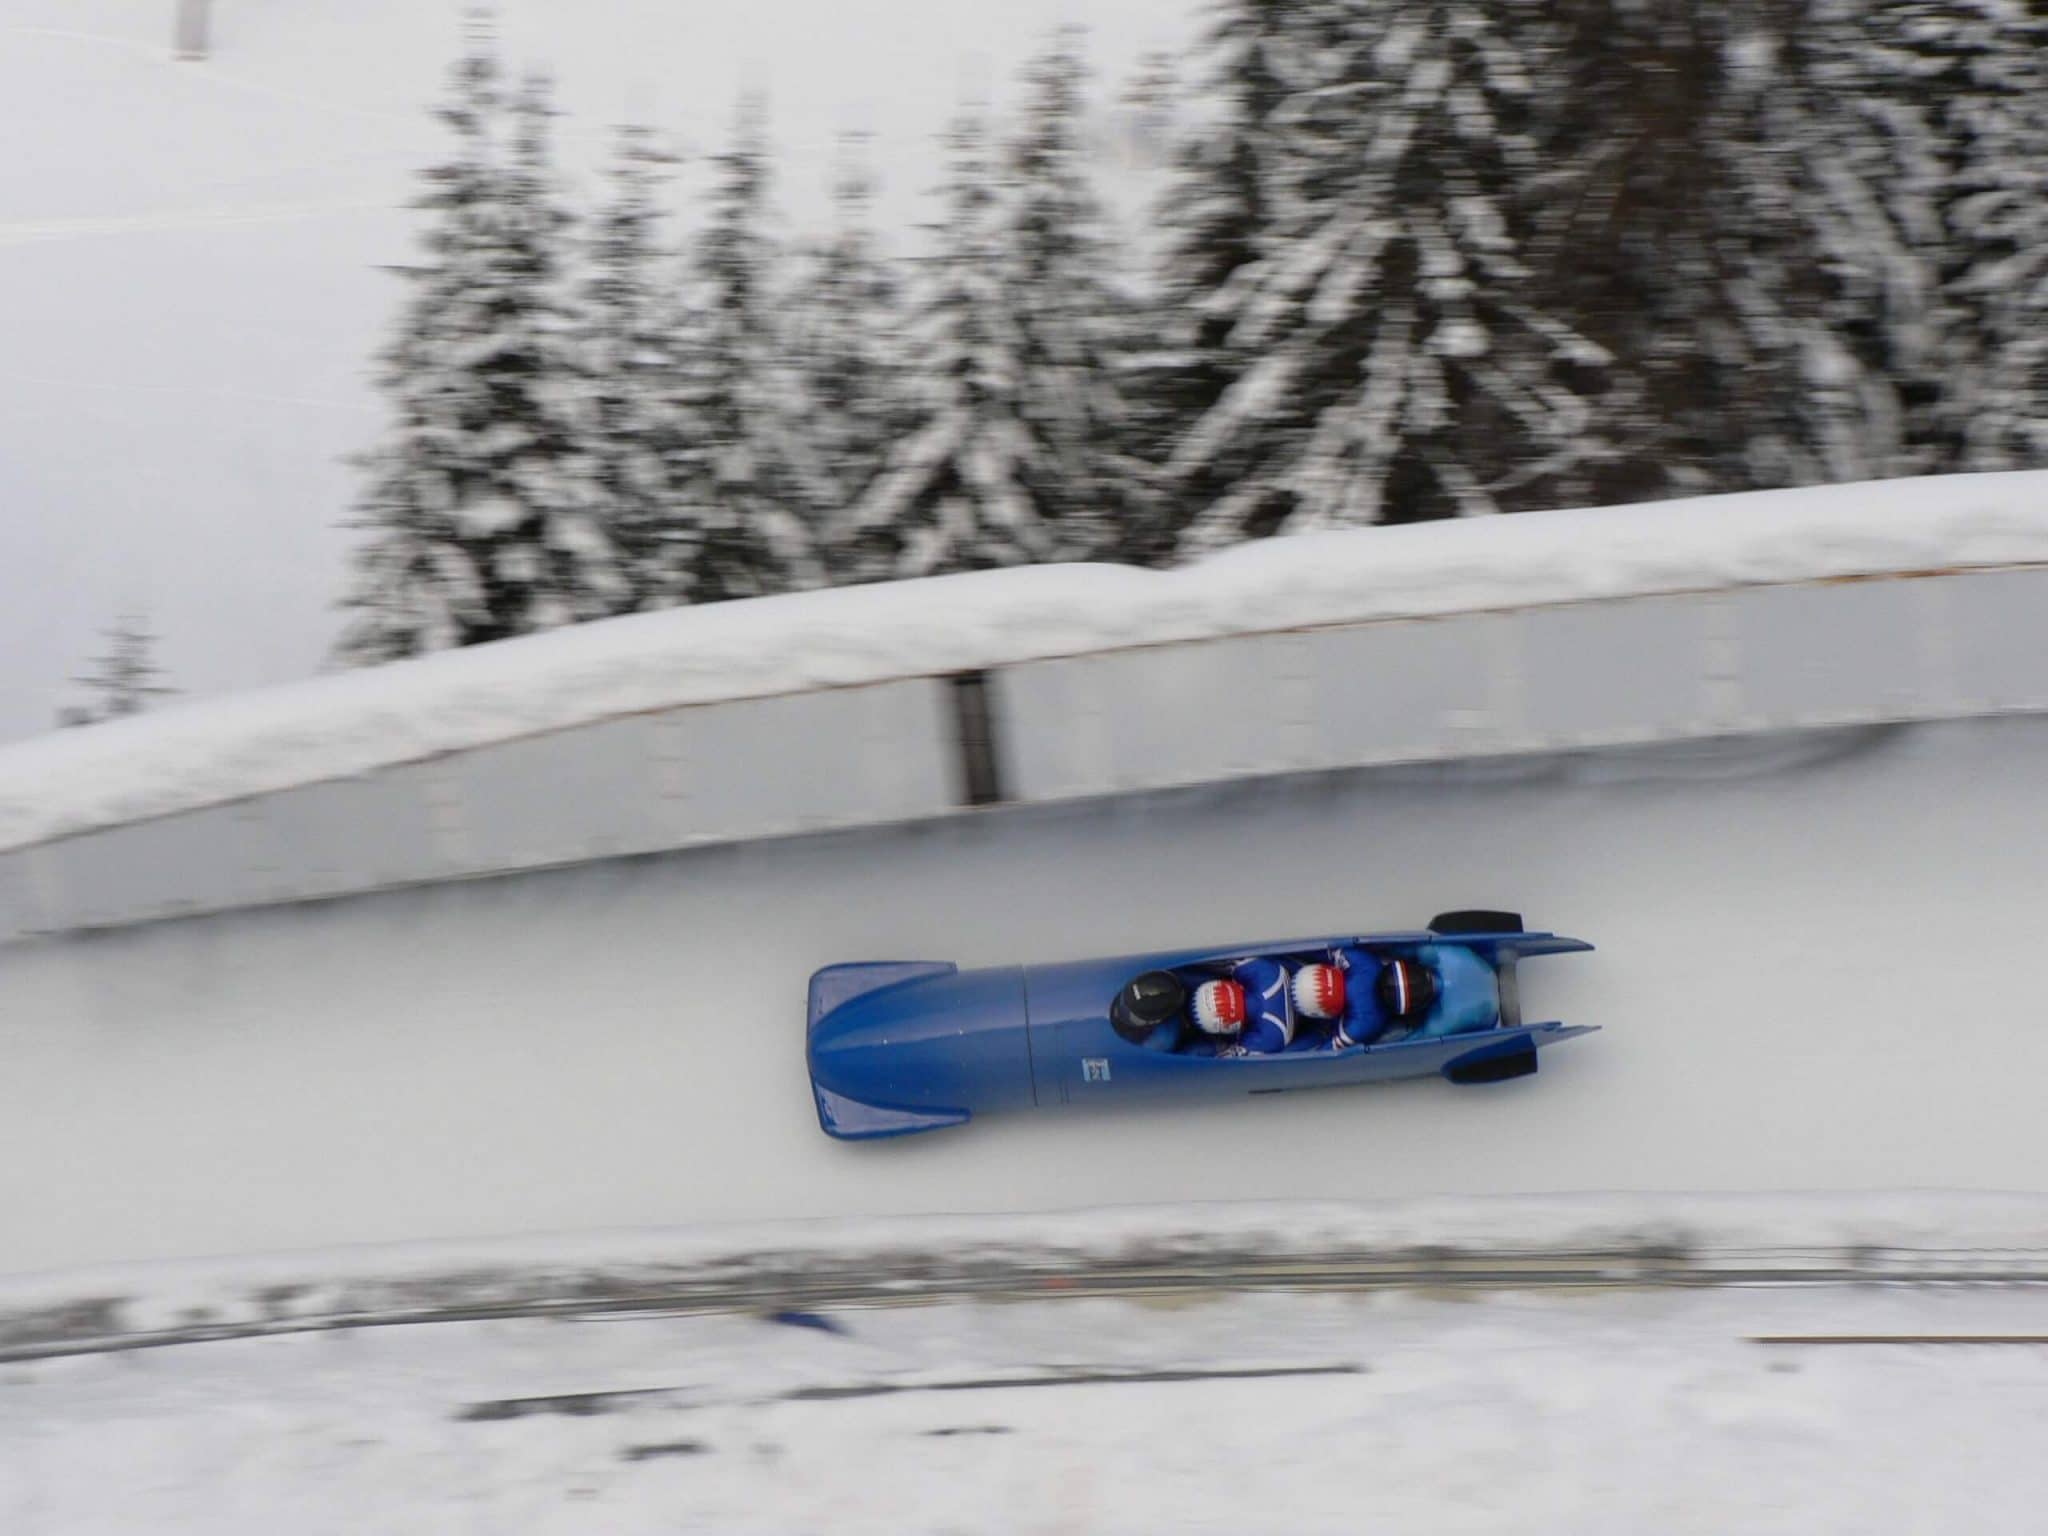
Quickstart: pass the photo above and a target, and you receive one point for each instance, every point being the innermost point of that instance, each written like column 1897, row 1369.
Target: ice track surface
column 1819, row 967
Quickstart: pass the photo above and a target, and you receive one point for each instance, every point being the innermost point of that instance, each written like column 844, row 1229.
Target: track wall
column 1573, row 677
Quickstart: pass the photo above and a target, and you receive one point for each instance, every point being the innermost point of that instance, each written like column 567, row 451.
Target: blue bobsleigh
column 900, row 1047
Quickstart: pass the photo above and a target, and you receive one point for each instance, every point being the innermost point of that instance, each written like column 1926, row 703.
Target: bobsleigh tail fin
column 1510, row 1053
column 1499, row 947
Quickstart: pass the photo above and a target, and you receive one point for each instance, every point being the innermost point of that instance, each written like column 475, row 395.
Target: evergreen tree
column 1934, row 151
column 1075, row 329
column 956, row 491
column 1735, row 208
column 1218, row 218
column 123, row 680
column 753, row 485
column 1838, row 283
column 1994, row 118
column 848, row 341
column 1403, row 364
column 1020, row 444
column 640, row 432
column 1872, row 172
column 481, row 520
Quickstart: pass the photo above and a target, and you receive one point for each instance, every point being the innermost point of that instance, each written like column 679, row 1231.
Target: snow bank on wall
column 204, row 753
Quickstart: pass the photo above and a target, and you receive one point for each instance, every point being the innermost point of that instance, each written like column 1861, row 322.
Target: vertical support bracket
column 1940, row 693
column 448, row 822
column 190, row 41
column 1506, row 728
column 978, row 778
column 1721, row 695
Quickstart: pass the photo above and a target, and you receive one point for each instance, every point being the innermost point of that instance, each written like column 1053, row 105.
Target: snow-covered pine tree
column 753, row 488
column 1994, row 116
column 1076, row 327
column 1730, row 209
column 1832, row 274
column 956, row 491
column 480, row 519
column 1217, row 216
column 849, row 343
column 1020, row 443
column 1404, row 367
column 1873, row 173
column 638, row 427
column 123, row 680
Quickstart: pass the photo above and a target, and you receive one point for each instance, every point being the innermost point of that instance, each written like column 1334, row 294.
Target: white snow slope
column 1817, row 971
column 192, row 255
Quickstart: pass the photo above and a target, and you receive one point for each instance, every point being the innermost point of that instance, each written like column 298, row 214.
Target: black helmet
column 1146, row 1003
column 1406, row 989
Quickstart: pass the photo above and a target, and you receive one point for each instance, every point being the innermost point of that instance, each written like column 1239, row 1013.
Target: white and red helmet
column 1218, row 1007
column 1318, row 991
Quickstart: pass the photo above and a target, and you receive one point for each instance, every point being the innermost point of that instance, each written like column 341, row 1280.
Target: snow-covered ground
column 192, row 255
column 182, row 757
column 1816, row 969
column 1583, row 1415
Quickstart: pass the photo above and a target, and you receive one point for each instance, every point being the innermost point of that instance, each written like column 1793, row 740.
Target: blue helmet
column 1406, row 990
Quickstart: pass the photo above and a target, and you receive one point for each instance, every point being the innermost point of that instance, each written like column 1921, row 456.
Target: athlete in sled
column 897, row 1047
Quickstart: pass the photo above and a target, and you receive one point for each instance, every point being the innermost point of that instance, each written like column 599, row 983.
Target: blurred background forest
column 1415, row 261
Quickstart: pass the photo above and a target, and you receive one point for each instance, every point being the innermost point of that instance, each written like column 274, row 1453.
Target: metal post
column 190, row 41
column 979, row 779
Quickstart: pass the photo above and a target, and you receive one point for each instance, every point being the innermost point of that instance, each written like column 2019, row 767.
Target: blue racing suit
column 1470, row 992
column 1268, row 1007
column 1363, row 1020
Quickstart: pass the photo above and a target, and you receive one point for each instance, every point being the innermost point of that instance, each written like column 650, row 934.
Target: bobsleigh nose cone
column 954, row 1042
column 845, row 1033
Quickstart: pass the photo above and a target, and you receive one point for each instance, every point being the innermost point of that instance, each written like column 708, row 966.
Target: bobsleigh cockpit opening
column 1346, row 996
